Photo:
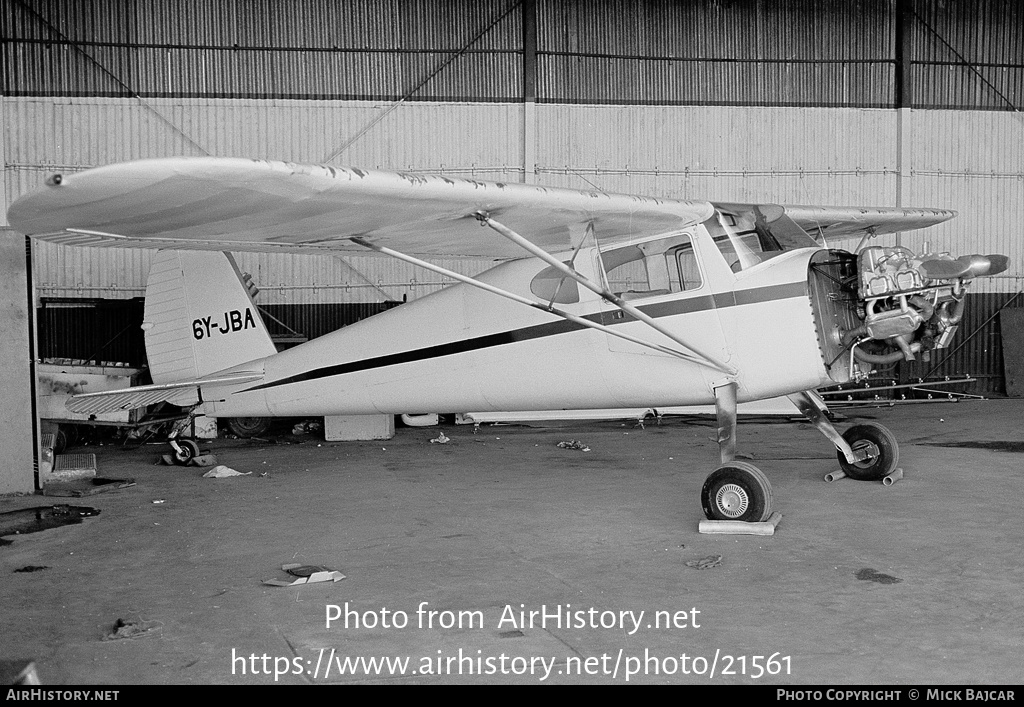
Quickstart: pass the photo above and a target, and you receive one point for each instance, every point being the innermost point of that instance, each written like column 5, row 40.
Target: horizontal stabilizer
column 182, row 393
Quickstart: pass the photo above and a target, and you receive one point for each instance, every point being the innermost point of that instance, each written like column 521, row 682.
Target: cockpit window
column 748, row 235
column 552, row 285
column 652, row 268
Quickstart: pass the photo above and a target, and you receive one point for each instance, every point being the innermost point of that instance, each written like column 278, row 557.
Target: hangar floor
column 916, row 583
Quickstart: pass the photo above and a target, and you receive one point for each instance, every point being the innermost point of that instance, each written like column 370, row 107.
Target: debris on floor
column 32, row 568
column 305, row 574
column 132, row 629
column 705, row 563
column 200, row 460
column 307, row 427
column 869, row 575
column 441, row 439
column 223, row 472
column 574, row 444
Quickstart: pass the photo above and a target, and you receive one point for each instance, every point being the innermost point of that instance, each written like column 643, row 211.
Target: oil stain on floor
column 1017, row 447
column 32, row 520
column 869, row 575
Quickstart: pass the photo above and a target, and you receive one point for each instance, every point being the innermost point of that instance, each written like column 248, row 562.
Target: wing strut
column 523, row 300
column 696, row 356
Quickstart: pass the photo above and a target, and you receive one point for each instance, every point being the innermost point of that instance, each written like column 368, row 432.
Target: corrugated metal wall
column 972, row 162
column 746, row 100
column 314, row 49
column 738, row 53
column 109, row 331
column 746, row 52
column 977, row 352
column 282, row 279
column 967, row 54
column 44, row 134
column 789, row 155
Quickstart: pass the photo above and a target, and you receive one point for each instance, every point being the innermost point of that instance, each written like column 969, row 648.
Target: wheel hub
column 870, row 451
column 732, row 500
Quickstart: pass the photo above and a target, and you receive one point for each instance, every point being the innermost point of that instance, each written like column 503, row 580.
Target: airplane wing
column 182, row 393
column 213, row 203
column 849, row 222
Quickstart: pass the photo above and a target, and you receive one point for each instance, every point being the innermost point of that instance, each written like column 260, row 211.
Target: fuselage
column 463, row 348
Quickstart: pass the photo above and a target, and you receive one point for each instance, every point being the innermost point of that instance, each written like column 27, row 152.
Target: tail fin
column 199, row 317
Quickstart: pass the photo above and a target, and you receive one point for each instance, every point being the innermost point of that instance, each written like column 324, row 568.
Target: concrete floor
column 505, row 518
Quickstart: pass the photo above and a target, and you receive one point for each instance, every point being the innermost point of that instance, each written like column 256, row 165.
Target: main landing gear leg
column 735, row 490
column 866, row 452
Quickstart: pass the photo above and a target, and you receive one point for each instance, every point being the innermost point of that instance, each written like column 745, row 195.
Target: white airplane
column 599, row 301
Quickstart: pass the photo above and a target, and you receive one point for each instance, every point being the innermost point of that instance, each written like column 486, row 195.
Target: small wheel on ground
column 73, row 433
column 60, row 440
column 188, row 450
column 737, row 491
column 881, row 446
column 247, row 426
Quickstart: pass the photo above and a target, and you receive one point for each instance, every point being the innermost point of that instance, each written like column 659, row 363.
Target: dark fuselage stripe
column 656, row 310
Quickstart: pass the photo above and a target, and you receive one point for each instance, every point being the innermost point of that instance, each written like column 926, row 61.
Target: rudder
column 199, row 317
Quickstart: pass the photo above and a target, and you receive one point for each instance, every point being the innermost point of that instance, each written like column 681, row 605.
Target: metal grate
column 71, row 464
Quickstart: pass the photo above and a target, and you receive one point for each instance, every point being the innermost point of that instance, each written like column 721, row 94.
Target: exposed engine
column 898, row 305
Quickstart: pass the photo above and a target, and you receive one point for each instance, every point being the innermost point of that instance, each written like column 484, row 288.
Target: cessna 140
column 600, row 300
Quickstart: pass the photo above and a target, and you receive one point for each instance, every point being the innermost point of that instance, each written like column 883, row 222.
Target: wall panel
column 968, row 161
column 316, row 49
column 752, row 100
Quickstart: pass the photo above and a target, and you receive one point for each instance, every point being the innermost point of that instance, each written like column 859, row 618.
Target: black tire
column 60, row 440
column 737, row 491
column 72, row 434
column 885, row 452
column 247, row 426
column 189, row 451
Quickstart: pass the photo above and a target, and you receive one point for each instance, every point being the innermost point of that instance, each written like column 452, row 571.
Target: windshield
column 748, row 234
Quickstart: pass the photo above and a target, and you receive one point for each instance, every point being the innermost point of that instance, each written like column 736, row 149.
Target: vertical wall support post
column 529, row 10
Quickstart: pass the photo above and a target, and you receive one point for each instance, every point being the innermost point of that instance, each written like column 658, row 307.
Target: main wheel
column 882, row 448
column 247, row 426
column 737, row 491
column 188, row 451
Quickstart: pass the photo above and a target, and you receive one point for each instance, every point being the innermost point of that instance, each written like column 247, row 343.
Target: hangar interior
column 871, row 103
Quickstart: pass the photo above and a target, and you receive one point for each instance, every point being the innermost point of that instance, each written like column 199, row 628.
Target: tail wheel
column 881, row 446
column 186, row 452
column 737, row 491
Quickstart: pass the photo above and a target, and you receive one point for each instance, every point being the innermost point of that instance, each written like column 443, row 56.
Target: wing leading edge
column 849, row 222
column 253, row 205
column 212, row 203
